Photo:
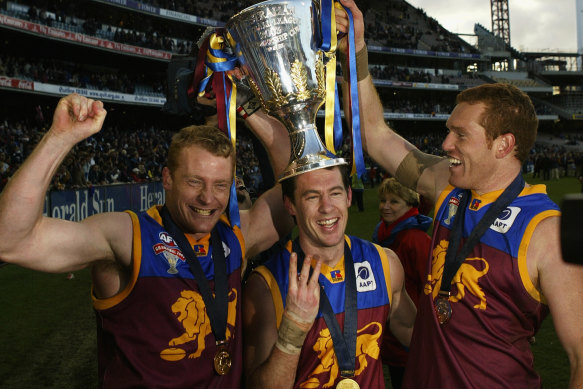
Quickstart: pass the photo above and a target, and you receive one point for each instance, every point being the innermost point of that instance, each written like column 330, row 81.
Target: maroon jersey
column 496, row 308
column 156, row 332
column 318, row 365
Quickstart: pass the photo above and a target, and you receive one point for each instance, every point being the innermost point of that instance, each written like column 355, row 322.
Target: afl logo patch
column 166, row 238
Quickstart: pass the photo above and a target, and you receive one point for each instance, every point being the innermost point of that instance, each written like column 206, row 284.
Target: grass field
column 47, row 326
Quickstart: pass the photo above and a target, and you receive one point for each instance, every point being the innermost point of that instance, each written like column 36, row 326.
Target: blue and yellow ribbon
column 333, row 121
column 328, row 46
column 216, row 65
column 357, row 156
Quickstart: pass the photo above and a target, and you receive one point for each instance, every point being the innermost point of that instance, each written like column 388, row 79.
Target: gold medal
column 347, row 383
column 222, row 361
column 442, row 309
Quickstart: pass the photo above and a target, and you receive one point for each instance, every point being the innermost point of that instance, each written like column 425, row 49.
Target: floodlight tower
column 580, row 34
column 500, row 20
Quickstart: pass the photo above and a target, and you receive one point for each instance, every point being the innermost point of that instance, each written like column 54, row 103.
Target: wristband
column 291, row 334
column 249, row 107
column 361, row 64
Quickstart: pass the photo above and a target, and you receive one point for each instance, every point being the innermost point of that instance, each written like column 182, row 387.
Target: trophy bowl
column 276, row 43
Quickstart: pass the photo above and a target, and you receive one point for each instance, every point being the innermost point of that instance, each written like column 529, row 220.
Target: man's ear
column 349, row 196
column 289, row 205
column 505, row 144
column 166, row 178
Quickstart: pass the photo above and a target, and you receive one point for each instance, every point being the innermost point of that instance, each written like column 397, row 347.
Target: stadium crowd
column 125, row 28
column 137, row 154
column 115, row 155
column 397, row 25
column 58, row 72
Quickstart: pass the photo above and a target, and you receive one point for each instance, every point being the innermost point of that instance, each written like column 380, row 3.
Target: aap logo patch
column 365, row 281
column 503, row 223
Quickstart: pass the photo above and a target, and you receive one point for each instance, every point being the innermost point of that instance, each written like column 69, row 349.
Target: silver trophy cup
column 275, row 42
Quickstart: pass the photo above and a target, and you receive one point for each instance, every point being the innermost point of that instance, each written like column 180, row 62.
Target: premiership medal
column 222, row 361
column 347, row 383
column 442, row 309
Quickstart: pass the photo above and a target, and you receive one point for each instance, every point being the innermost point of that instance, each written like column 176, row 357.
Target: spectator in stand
column 4, row 166
column 404, row 230
column 139, row 173
column 97, row 176
column 77, row 176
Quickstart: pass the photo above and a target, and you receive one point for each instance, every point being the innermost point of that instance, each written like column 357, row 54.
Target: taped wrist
column 249, row 107
column 292, row 333
column 361, row 64
column 412, row 166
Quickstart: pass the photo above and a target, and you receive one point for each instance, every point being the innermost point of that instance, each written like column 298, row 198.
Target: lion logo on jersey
column 466, row 277
column 192, row 314
column 366, row 345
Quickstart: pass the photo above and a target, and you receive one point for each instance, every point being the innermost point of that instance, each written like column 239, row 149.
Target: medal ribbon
column 453, row 258
column 344, row 342
column 217, row 307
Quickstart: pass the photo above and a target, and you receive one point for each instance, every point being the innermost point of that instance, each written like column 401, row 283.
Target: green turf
column 47, row 326
column 47, row 330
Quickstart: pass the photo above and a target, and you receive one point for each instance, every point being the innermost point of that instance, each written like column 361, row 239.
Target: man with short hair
column 167, row 281
column 294, row 325
column 496, row 267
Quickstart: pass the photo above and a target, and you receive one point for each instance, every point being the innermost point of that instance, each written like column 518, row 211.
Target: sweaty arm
column 267, row 221
column 43, row 243
column 403, row 311
column 562, row 285
column 271, row 354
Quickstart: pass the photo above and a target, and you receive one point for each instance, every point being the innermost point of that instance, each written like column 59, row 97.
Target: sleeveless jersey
column 156, row 332
column 318, row 366
column 496, row 308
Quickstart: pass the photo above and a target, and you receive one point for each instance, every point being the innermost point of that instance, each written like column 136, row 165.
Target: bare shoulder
column 396, row 269
column 112, row 232
column 545, row 247
column 259, row 322
column 256, row 294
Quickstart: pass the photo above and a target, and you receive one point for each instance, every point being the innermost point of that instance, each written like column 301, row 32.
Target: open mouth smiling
column 203, row 212
column 327, row 222
column 454, row 162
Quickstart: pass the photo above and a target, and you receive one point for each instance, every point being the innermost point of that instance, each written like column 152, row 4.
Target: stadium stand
column 119, row 53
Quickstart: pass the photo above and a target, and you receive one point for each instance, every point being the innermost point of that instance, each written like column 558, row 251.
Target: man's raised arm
column 43, row 243
column 267, row 221
column 395, row 154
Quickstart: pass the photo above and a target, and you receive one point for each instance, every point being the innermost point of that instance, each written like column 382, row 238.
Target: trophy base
column 296, row 167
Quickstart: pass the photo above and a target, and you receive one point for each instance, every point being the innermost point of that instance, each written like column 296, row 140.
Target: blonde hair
column 392, row 186
column 209, row 138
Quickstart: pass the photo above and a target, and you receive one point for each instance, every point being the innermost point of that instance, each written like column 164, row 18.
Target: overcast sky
column 535, row 25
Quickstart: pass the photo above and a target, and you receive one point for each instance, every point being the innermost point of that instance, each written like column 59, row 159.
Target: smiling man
column 324, row 327
column 496, row 268
column 166, row 281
